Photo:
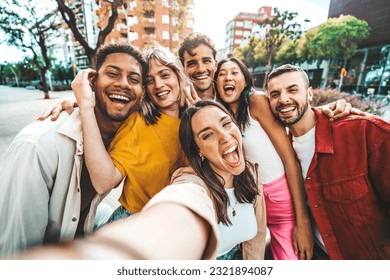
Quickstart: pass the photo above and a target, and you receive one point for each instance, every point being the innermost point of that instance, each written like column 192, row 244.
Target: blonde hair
column 149, row 110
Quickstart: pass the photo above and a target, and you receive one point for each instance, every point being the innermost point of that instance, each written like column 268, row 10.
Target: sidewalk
column 20, row 107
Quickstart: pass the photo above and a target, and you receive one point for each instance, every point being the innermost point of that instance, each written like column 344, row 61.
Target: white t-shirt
column 305, row 146
column 244, row 225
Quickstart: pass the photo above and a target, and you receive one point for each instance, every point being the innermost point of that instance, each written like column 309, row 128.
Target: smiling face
column 219, row 141
column 118, row 86
column 289, row 97
column 162, row 86
column 230, row 83
column 200, row 68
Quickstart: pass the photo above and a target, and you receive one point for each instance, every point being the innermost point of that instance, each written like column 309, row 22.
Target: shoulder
column 39, row 131
column 258, row 98
column 186, row 175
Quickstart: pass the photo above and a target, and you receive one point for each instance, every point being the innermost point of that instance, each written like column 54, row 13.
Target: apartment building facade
column 143, row 22
column 242, row 26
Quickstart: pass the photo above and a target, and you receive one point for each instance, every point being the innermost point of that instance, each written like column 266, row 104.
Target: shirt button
column 78, row 189
column 327, row 235
column 74, row 220
column 316, row 205
column 308, row 178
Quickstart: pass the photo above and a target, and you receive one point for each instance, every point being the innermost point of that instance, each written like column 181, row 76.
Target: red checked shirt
column 348, row 186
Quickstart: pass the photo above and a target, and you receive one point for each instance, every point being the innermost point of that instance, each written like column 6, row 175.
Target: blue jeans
column 234, row 254
column 119, row 214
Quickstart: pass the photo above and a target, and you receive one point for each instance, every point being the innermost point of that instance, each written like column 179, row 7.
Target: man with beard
column 345, row 166
column 47, row 195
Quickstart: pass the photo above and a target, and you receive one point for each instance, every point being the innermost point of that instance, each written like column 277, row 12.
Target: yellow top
column 147, row 155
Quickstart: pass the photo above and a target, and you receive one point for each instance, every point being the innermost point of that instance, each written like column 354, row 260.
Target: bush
column 325, row 96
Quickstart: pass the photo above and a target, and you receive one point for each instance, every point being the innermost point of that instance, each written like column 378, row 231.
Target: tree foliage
column 280, row 27
column 27, row 25
column 252, row 54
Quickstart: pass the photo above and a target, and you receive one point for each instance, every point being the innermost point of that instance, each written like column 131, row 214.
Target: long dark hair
column 242, row 115
column 245, row 187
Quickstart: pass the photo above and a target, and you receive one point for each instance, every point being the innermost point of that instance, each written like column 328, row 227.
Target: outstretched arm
column 302, row 236
column 190, row 232
column 104, row 174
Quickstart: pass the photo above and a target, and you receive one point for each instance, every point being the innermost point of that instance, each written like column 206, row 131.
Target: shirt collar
column 72, row 126
column 324, row 138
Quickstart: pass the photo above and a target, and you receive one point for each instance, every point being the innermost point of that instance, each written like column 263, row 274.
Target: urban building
column 242, row 26
column 368, row 71
column 142, row 22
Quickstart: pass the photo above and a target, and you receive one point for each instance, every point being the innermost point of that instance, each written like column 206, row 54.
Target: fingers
column 44, row 115
column 357, row 112
column 342, row 111
column 191, row 94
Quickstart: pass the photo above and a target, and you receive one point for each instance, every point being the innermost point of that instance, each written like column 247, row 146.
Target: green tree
column 287, row 52
column 28, row 25
column 336, row 39
column 279, row 27
column 251, row 54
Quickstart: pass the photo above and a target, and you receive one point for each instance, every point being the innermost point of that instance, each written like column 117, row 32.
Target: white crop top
column 260, row 149
column 244, row 224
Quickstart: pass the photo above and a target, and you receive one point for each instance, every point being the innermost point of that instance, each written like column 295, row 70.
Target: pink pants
column 280, row 218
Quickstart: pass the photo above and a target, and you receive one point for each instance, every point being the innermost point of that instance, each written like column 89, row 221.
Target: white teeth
column 287, row 109
column 120, row 97
column 232, row 149
column 201, row 77
column 229, row 87
column 162, row 93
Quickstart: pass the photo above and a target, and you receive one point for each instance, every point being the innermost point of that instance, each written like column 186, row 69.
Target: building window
column 165, row 3
column 237, row 41
column 239, row 24
column 165, row 19
column 248, row 24
column 165, row 35
column 239, row 32
column 175, row 37
column 190, row 23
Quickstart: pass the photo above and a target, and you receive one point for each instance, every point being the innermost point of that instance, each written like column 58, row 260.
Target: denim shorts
column 119, row 214
column 234, row 254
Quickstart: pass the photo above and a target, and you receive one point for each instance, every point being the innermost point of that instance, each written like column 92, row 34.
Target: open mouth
column 120, row 98
column 229, row 88
column 202, row 77
column 286, row 109
column 231, row 155
column 163, row 93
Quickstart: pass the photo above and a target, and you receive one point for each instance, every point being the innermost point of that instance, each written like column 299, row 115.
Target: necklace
column 234, row 209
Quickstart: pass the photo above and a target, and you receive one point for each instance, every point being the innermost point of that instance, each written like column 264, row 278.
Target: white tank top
column 259, row 148
column 244, row 224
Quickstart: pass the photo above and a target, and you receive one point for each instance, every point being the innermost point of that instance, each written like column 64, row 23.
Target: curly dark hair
column 193, row 41
column 120, row 47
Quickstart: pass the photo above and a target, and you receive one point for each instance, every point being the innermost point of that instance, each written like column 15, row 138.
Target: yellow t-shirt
column 147, row 155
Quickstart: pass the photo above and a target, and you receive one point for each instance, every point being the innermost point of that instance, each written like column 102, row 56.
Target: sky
column 211, row 16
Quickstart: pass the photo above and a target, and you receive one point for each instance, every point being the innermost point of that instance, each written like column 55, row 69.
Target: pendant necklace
column 234, row 209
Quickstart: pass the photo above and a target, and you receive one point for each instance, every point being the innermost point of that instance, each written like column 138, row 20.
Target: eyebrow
column 120, row 69
column 206, row 128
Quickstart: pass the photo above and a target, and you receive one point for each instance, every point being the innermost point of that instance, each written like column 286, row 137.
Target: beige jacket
column 253, row 249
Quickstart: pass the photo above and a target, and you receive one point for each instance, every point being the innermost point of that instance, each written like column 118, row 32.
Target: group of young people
column 208, row 167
